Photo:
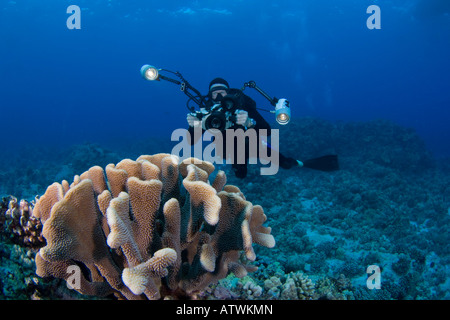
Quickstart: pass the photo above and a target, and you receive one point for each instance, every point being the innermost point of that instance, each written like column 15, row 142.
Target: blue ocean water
column 62, row 86
column 74, row 98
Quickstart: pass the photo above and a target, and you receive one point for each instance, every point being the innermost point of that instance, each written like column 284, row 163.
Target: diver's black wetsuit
column 248, row 104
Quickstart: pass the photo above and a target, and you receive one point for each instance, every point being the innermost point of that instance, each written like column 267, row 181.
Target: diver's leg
column 240, row 169
column 287, row 162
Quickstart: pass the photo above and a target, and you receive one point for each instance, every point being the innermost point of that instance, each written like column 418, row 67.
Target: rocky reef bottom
column 388, row 206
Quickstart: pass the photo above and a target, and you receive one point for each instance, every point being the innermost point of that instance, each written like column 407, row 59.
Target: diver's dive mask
column 219, row 98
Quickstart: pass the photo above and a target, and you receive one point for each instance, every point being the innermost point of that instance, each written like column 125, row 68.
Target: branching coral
column 296, row 286
column 23, row 228
column 151, row 228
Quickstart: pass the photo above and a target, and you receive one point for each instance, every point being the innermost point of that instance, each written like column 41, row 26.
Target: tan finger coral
column 149, row 228
column 138, row 278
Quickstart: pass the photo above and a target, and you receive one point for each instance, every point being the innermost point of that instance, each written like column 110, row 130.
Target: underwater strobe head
column 149, row 72
column 283, row 112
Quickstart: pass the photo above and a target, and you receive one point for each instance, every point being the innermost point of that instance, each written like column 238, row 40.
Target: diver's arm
column 195, row 127
column 261, row 123
column 192, row 138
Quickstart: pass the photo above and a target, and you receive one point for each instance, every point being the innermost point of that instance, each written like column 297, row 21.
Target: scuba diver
column 246, row 117
column 226, row 108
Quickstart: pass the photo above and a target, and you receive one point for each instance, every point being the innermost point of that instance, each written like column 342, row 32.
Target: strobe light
column 283, row 112
column 149, row 72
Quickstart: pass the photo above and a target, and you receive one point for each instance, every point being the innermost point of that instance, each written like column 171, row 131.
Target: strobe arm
column 169, row 79
column 151, row 73
column 252, row 84
column 185, row 87
column 282, row 109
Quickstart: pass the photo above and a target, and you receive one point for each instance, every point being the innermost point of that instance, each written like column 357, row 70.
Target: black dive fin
column 325, row 163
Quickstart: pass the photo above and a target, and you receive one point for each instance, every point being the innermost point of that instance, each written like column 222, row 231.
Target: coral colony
column 143, row 233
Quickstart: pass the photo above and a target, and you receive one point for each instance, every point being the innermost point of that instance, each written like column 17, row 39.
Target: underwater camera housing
column 221, row 116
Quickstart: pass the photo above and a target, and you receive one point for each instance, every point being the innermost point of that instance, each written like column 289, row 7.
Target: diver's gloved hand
column 241, row 117
column 193, row 121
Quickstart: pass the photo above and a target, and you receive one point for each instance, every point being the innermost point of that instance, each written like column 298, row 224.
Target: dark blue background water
column 61, row 86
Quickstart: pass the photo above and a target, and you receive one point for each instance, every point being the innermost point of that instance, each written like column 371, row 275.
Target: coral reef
column 278, row 285
column 379, row 141
column 25, row 176
column 387, row 206
column 138, row 231
column 18, row 224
